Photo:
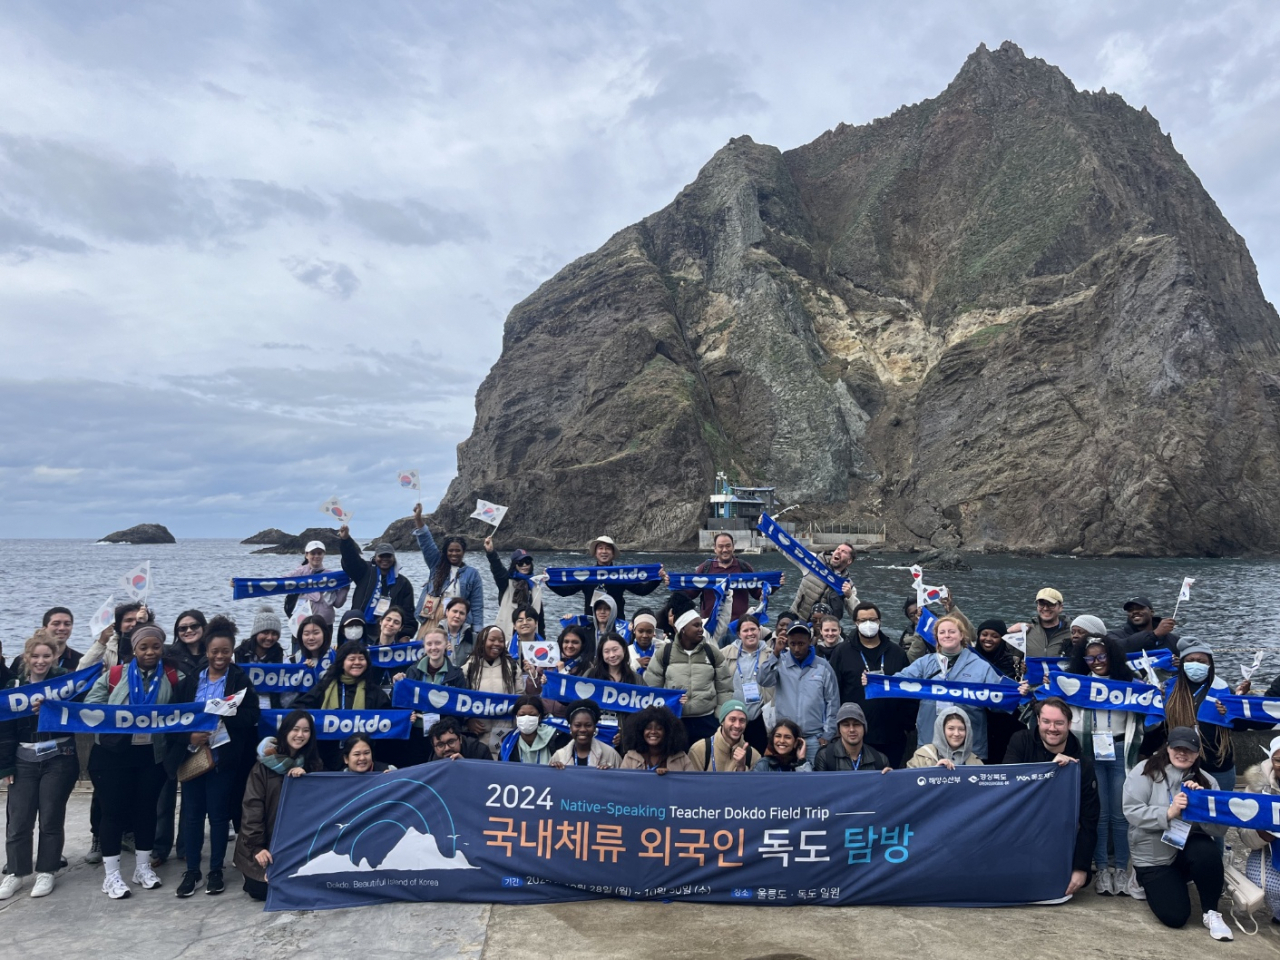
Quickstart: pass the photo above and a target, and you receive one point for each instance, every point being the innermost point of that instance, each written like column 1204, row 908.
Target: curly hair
column 674, row 739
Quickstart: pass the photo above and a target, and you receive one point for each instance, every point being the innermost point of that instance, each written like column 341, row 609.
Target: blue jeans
column 207, row 796
column 1111, row 821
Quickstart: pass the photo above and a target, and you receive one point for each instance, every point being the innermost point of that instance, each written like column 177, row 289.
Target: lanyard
column 866, row 665
column 755, row 669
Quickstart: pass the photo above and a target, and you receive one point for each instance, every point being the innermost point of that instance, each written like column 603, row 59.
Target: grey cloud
column 689, row 87
column 329, row 277
column 262, row 200
column 409, row 222
column 221, row 92
column 19, row 237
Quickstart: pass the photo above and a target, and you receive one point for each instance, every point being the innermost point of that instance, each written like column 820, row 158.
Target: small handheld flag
column 924, row 592
column 334, row 508
column 1183, row 594
column 1249, row 671
column 1018, row 640
column 924, row 627
column 409, row 479
column 490, row 513
column 103, row 617
column 137, row 582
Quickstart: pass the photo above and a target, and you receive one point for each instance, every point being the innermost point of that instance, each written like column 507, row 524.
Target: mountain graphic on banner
column 414, row 851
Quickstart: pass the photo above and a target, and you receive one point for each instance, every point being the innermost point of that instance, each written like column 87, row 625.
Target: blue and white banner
column 1250, row 811
column 1159, row 659
column 453, row 701
column 992, row 696
column 623, row 573
column 798, row 554
column 482, row 832
column 282, row 677
column 16, row 702
column 246, row 588
column 396, row 654
column 340, row 724
column 1039, row 668
column 1099, row 693
column 1254, row 709
column 739, row 581
column 111, row 718
column 619, row 697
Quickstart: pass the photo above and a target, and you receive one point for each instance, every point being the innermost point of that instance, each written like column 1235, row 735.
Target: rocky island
column 1009, row 318
column 142, row 533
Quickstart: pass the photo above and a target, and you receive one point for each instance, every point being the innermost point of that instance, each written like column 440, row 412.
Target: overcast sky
column 254, row 255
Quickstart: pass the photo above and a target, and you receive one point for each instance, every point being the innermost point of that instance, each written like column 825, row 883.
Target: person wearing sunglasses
column 514, row 586
column 1113, row 736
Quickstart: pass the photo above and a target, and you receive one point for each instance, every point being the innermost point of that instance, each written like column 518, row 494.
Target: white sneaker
column 1218, row 928
column 44, row 885
column 9, row 886
column 144, row 875
column 1131, row 886
column 115, row 887
column 1104, row 882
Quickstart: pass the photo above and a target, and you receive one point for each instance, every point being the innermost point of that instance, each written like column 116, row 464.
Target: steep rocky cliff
column 1009, row 317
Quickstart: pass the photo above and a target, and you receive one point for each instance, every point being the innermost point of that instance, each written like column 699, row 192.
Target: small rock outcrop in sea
column 942, row 560
column 268, row 536
column 142, row 533
column 294, row 545
column 1010, row 314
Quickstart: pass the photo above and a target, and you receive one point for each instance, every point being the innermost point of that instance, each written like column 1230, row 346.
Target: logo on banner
column 281, row 678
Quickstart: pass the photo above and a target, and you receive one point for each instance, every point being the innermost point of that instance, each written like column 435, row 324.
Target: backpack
column 712, row 653
column 707, row 758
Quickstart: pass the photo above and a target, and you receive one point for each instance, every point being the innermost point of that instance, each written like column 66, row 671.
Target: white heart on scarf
column 269, row 585
column 1272, row 708
column 1068, row 685
column 92, row 718
column 909, row 686
column 584, row 690
column 437, row 698
column 1242, row 808
column 580, row 574
column 700, row 582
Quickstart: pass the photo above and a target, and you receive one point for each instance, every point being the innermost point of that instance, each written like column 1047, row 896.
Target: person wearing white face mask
column 532, row 741
column 354, row 628
column 889, row 722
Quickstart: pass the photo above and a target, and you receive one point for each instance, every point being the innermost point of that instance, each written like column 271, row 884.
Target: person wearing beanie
column 128, row 769
column 1155, row 796
column 726, row 750
column 1006, row 660
column 378, row 586
column 692, row 663
column 263, row 643
column 324, row 603
column 584, row 750
column 515, row 587
column 851, row 752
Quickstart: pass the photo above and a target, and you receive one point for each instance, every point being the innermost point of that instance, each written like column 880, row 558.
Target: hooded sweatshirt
column 931, row 753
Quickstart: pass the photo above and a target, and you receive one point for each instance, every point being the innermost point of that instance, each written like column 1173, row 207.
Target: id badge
column 751, row 692
column 382, row 606
column 1176, row 835
column 429, row 720
column 220, row 736
column 45, row 747
column 142, row 740
column 264, row 701
column 1104, row 746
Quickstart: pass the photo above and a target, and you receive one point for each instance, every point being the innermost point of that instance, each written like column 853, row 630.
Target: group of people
column 777, row 692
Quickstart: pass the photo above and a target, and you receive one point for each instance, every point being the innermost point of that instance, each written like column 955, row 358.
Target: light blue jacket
column 469, row 586
column 968, row 666
column 808, row 694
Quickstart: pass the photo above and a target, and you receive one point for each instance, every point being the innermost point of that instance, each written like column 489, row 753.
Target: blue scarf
column 453, row 701
column 991, row 696
column 125, row 718
column 621, row 574
column 798, row 554
column 1255, row 709
column 1099, row 693
column 395, row 654
column 245, row 588
column 340, row 724
column 618, row 697
column 377, row 591
column 1247, row 811
column 15, row 702
column 283, row 677
column 141, row 693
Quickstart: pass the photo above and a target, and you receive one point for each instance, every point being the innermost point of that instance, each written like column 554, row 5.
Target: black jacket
column 502, row 580
column 178, row 654
column 365, row 575
column 242, row 728
column 558, row 740
column 833, row 757
column 1027, row 747
column 889, row 721
column 313, row 699
column 472, row 749
column 453, row 676
column 1132, row 640
column 70, row 660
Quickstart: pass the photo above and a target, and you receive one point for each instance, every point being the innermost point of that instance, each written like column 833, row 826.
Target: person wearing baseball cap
column 726, row 750
column 850, row 751
column 514, row 587
column 379, row 585
column 808, row 692
column 1049, row 634
column 1143, row 630
column 324, row 603
column 1168, row 850
column 604, row 553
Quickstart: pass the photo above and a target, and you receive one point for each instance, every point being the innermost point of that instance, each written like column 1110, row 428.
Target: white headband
column 648, row 618
column 687, row 618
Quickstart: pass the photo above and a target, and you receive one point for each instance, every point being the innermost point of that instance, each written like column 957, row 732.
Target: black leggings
column 1166, row 887
column 128, row 785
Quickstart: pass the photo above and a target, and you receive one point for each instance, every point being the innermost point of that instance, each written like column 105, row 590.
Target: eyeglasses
column 189, row 628
column 1099, row 658
column 1047, row 603
column 448, row 741
column 524, row 563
